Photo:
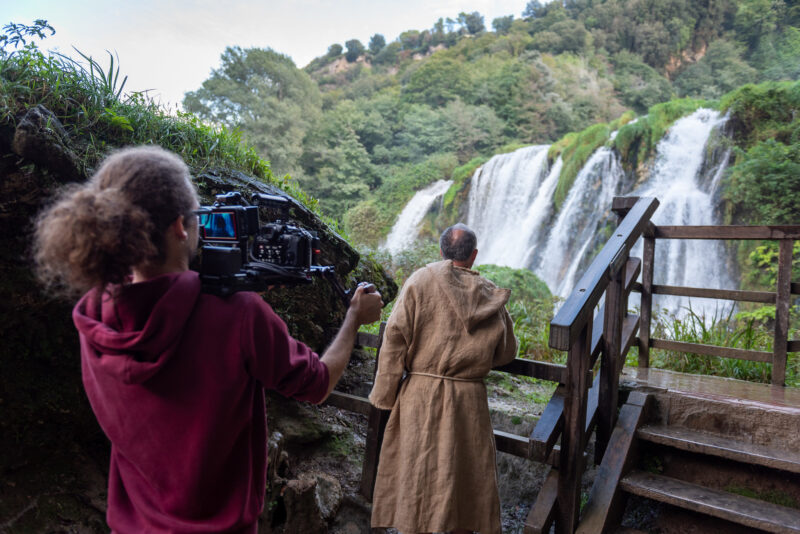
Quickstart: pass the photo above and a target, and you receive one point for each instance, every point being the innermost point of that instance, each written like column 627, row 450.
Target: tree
column 437, row 81
column 265, row 95
column 335, row 50
column 354, row 50
column 501, row 25
column 722, row 69
column 376, row 43
column 472, row 22
column 757, row 18
column 533, row 9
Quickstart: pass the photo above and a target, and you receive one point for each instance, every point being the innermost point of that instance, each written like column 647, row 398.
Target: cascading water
column 406, row 228
column 511, row 208
column 500, row 194
column 580, row 218
column 686, row 196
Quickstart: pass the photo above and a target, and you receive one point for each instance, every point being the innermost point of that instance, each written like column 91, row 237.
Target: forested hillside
column 365, row 125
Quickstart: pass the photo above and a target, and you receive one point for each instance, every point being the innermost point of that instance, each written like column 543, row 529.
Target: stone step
column 753, row 513
column 724, row 447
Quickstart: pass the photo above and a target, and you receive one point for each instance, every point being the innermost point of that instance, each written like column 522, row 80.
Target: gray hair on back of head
column 458, row 242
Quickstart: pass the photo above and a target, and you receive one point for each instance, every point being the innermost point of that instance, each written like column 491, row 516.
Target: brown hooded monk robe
column 437, row 469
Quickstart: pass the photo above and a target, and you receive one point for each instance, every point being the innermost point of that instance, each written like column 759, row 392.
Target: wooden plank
column 795, row 288
column 604, row 508
column 572, row 436
column 610, row 365
column 348, row 402
column 766, row 297
column 632, row 270
column 576, row 311
column 728, row 232
column 542, row 513
column 723, row 447
column 622, row 205
column 548, row 427
column 753, row 513
column 782, row 305
column 592, row 402
column 511, row 443
column 648, row 263
column 541, row 370
column 376, row 424
column 365, row 339
column 712, row 350
column 793, row 346
column 630, row 327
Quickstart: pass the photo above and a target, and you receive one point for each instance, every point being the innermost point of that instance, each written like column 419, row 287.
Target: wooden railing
column 590, row 405
column 781, row 297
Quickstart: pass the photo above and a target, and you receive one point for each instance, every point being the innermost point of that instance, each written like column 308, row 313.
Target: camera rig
column 237, row 253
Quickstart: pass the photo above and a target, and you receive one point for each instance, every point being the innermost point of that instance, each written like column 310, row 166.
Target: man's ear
column 473, row 256
column 178, row 229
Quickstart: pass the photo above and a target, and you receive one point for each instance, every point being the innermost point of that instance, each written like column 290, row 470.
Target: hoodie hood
column 132, row 334
column 472, row 298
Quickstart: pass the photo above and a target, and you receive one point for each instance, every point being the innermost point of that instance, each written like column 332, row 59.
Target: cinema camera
column 237, row 253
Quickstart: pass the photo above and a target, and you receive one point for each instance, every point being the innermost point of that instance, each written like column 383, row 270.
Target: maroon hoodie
column 176, row 378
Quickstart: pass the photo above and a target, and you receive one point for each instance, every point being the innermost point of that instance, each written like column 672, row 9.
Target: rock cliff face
column 53, row 456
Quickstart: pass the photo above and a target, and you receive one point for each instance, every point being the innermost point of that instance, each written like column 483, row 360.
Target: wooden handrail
column 576, row 311
column 728, row 232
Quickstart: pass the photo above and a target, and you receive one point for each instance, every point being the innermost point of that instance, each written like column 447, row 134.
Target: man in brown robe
column 449, row 327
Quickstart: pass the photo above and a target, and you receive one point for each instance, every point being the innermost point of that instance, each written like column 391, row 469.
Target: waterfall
column 500, row 194
column 511, row 208
column 406, row 228
column 686, row 196
column 573, row 233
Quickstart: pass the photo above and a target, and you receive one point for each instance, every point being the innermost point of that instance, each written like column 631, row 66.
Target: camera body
column 237, row 253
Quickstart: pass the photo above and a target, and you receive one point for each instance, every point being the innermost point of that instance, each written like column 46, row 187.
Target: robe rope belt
column 457, row 379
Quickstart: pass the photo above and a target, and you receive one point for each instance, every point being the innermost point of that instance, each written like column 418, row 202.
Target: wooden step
column 743, row 510
column 723, row 447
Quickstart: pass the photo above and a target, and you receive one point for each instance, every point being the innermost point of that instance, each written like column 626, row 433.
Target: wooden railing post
column 648, row 256
column 782, row 302
column 572, row 437
column 615, row 309
column 375, row 427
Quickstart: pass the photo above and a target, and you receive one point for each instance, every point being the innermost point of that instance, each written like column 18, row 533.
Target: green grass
column 744, row 330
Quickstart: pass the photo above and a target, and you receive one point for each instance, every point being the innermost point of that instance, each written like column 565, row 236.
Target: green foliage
column 636, row 141
column 436, row 82
column 262, row 93
column 744, row 331
column 576, row 152
column 376, row 43
column 354, row 49
column 719, row 71
column 764, row 111
column 761, row 268
column 765, row 183
column 502, row 25
column 525, row 286
column 639, row 85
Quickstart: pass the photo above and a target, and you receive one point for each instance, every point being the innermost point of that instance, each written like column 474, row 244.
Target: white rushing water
column 500, row 194
column 511, row 208
column 585, row 208
column 687, row 197
column 406, row 228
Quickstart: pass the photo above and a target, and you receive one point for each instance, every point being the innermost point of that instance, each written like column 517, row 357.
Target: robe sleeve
column 506, row 349
column 276, row 359
column 397, row 339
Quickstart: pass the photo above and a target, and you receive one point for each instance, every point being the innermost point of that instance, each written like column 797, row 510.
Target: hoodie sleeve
column 276, row 359
column 396, row 341
column 506, row 349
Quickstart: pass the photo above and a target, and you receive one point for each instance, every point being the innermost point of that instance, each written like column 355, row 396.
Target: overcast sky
column 170, row 47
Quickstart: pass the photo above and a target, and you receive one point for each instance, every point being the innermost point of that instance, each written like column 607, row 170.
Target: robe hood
column 471, row 297
column 134, row 333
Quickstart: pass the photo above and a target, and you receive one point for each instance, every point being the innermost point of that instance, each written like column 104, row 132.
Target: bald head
column 458, row 243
